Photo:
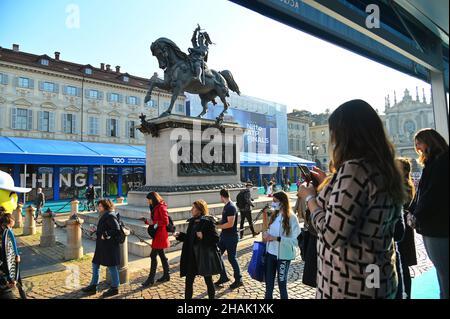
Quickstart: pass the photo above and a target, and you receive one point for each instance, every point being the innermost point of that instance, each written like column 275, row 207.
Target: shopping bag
column 256, row 267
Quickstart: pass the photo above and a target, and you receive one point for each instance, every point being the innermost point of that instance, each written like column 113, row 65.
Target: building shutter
column 108, row 97
column 127, row 129
column 40, row 121
column 74, row 124
column 100, row 95
column 108, row 127
column 117, row 128
column 120, row 98
column 79, row 92
column 51, row 121
column 55, row 88
column 64, row 89
column 29, row 120
column 86, row 93
column 138, row 101
column 16, row 81
column 64, row 122
column 13, row 118
column 41, row 85
column 30, row 83
column 5, row 79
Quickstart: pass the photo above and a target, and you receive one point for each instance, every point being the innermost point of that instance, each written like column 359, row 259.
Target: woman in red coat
column 160, row 220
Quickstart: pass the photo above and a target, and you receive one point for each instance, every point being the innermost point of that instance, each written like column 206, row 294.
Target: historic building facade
column 48, row 98
column 298, row 134
column 404, row 118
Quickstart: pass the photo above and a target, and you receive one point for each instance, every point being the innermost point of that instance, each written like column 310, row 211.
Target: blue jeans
column 279, row 268
column 229, row 243
column 113, row 271
column 437, row 251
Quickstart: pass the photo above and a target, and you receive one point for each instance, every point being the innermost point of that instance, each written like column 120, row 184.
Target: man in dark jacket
column 39, row 203
column 244, row 203
column 90, row 196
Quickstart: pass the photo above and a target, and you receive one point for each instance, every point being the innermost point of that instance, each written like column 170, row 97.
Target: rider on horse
column 199, row 52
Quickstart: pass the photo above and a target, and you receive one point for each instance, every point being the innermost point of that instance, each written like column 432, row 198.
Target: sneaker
column 110, row 292
column 220, row 282
column 91, row 289
column 149, row 282
column 236, row 284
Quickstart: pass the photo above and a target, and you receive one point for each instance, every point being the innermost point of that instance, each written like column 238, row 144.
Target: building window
column 44, row 62
column 133, row 100
column 46, row 121
column 24, row 82
column 93, row 94
column 180, row 108
column 3, row 79
column 88, row 71
column 69, row 123
column 21, row 119
column 114, row 97
column 71, row 90
column 324, row 147
column 48, row 87
column 151, row 103
column 112, row 127
column 131, row 129
column 126, row 79
column 93, row 126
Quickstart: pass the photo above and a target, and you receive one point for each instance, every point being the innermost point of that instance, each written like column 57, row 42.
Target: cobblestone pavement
column 67, row 284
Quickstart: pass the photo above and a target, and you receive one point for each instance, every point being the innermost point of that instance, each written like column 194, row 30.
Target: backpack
column 240, row 200
column 171, row 227
column 124, row 231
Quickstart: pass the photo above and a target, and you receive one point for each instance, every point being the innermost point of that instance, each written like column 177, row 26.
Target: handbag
column 256, row 267
column 151, row 230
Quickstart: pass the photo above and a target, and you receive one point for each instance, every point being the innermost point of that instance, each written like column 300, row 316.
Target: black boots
column 151, row 277
column 91, row 289
column 110, row 292
column 166, row 276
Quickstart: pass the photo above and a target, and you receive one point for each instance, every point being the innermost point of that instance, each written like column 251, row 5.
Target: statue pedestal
column 189, row 159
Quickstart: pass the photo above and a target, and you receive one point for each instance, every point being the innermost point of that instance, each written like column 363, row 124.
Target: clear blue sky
column 268, row 60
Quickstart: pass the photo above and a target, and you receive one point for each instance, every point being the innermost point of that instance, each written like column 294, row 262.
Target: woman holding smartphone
column 356, row 212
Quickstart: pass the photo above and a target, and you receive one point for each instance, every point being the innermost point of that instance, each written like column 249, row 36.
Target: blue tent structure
column 15, row 150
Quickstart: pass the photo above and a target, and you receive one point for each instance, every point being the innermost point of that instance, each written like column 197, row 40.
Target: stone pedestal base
column 74, row 248
column 124, row 276
column 17, row 215
column 30, row 223
column 48, row 230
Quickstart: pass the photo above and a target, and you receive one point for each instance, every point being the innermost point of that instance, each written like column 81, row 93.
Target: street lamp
column 312, row 150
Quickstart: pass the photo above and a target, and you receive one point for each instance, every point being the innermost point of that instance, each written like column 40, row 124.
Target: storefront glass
column 132, row 177
column 111, row 181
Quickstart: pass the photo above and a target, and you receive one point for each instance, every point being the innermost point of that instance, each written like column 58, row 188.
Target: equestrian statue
column 189, row 73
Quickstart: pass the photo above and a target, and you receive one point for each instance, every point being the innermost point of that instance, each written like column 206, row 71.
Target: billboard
column 260, row 129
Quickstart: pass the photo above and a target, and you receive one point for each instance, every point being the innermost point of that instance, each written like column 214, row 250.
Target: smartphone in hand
column 307, row 176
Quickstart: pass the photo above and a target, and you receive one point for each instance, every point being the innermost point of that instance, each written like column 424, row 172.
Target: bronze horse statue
column 179, row 78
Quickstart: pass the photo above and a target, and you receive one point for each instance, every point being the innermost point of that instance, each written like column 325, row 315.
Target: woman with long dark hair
column 159, row 220
column 281, row 239
column 356, row 212
column 430, row 209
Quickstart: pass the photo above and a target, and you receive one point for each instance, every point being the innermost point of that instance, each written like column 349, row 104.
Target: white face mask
column 275, row 206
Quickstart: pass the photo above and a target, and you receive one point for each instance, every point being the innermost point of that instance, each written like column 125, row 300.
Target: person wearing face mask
column 281, row 241
column 199, row 255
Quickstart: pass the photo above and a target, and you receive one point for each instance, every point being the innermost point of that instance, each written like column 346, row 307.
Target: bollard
column 74, row 207
column 120, row 200
column 30, row 223
column 74, row 247
column 48, row 229
column 17, row 215
column 124, row 276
